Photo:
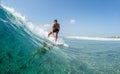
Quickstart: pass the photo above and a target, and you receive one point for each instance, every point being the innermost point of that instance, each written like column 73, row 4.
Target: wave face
column 21, row 47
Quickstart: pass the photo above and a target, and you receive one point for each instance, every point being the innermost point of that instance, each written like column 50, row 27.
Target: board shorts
column 56, row 30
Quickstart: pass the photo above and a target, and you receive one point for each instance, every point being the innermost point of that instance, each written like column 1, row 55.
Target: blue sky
column 77, row 17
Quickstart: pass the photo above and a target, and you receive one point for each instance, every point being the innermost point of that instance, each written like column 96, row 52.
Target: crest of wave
column 39, row 30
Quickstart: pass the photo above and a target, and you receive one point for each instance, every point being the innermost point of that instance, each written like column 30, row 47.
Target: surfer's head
column 55, row 20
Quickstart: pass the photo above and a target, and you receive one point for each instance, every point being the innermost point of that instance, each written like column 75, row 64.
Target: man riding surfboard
column 55, row 29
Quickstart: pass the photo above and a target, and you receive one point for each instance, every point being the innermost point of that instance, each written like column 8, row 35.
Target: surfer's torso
column 56, row 27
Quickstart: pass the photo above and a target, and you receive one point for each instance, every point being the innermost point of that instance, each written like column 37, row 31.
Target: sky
column 76, row 17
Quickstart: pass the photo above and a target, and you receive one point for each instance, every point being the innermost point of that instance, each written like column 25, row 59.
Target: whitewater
column 22, row 50
column 94, row 38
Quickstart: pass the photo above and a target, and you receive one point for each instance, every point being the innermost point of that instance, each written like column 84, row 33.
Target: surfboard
column 58, row 43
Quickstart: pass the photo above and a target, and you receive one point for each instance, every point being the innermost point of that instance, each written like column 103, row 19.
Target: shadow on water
column 42, row 50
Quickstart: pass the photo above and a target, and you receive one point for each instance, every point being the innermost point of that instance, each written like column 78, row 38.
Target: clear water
column 22, row 52
column 100, row 57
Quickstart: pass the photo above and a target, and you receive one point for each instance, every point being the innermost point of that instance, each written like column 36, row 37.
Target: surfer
column 55, row 29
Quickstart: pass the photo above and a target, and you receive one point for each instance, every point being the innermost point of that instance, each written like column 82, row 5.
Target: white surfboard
column 59, row 42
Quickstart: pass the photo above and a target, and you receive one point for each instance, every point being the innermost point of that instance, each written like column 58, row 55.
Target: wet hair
column 55, row 20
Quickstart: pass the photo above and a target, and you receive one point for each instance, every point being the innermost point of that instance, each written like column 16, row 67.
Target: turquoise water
column 23, row 52
column 101, row 57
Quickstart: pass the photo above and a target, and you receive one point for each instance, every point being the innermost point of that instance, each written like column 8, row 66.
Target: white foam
column 12, row 10
column 36, row 29
column 61, row 41
column 94, row 38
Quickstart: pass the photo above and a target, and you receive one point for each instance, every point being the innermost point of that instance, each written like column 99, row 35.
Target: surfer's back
column 56, row 26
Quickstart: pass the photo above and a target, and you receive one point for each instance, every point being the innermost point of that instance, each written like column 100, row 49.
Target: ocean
column 22, row 50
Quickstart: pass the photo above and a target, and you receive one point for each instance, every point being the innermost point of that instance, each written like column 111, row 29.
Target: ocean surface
column 25, row 49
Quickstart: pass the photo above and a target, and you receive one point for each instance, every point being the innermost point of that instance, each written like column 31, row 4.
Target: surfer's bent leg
column 49, row 34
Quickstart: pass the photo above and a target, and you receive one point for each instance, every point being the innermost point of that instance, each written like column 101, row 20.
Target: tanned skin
column 55, row 29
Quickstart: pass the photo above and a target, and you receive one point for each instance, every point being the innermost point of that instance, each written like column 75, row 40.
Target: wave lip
column 94, row 38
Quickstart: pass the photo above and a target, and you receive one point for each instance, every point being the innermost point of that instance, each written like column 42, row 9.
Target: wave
column 39, row 30
column 19, row 38
column 36, row 29
column 94, row 38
